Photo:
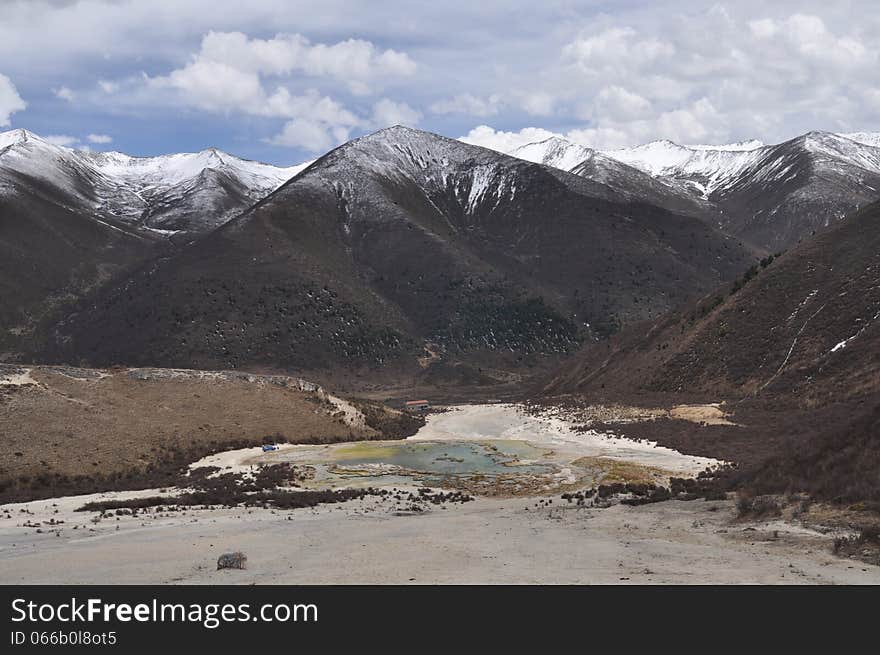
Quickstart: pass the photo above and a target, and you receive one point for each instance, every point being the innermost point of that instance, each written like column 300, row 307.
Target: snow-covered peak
column 28, row 154
column 818, row 136
column 655, row 158
column 701, row 169
column 139, row 188
column 865, row 138
column 400, row 150
column 21, row 138
column 13, row 137
column 166, row 170
column 750, row 144
column 174, row 169
column 474, row 177
column 840, row 148
column 664, row 153
column 554, row 151
column 708, row 169
column 394, row 136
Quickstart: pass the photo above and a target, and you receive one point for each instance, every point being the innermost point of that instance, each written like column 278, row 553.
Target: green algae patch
column 493, row 467
column 605, row 470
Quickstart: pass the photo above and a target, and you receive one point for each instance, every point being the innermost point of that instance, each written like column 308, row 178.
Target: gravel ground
column 376, row 541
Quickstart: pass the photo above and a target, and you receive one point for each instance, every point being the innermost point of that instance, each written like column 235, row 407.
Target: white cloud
column 245, row 61
column 538, row 104
column 466, row 103
column 232, row 72
column 763, row 28
column 611, row 73
column 808, row 36
column 10, row 101
column 311, row 104
column 488, row 137
column 64, row 93
column 615, row 48
column 698, row 122
column 717, row 76
column 321, row 123
column 99, row 138
column 352, row 59
column 601, row 138
column 619, row 102
column 604, row 138
column 308, row 134
column 872, row 98
column 61, row 140
column 318, row 122
column 387, row 112
column 215, row 86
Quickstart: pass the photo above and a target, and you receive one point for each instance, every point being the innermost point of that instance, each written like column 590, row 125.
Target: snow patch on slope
column 751, row 144
column 865, row 138
column 843, row 344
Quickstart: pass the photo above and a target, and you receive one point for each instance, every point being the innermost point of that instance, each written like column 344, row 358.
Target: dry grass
column 119, row 427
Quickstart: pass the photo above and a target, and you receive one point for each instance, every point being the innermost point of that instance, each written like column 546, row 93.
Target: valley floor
column 532, row 536
column 522, row 540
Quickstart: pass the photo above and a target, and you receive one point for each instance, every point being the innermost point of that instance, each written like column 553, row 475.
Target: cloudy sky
column 280, row 80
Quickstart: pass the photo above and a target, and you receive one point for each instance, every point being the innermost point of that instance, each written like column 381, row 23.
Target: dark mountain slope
column 798, row 187
column 71, row 220
column 795, row 345
column 629, row 184
column 398, row 239
column 843, row 464
column 198, row 204
column 807, row 326
column 635, row 185
column 51, row 253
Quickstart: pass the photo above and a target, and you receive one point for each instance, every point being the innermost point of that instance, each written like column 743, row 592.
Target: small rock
column 236, row 560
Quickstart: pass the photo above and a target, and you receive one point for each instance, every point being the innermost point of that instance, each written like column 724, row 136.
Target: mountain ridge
column 771, row 195
column 145, row 191
column 399, row 240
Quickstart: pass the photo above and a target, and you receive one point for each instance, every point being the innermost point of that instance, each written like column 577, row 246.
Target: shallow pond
column 485, row 449
column 443, row 458
column 446, row 463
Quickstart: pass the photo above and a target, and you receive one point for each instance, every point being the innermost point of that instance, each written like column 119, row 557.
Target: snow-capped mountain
column 658, row 159
column 554, row 151
column 865, row 138
column 402, row 238
column 770, row 195
column 698, row 170
column 53, row 247
column 193, row 192
column 798, row 187
column 70, row 220
column 713, row 168
column 629, row 183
